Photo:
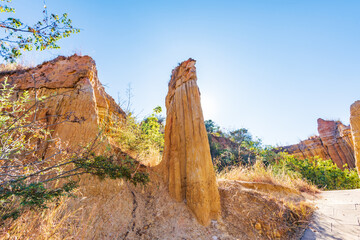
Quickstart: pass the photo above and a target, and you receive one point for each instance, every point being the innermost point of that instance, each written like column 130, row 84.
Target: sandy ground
column 337, row 216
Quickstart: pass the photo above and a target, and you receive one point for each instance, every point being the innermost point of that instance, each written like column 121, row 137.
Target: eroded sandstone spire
column 189, row 171
column 355, row 131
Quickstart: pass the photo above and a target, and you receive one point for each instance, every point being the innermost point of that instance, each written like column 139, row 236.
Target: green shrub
column 141, row 138
column 322, row 173
column 239, row 149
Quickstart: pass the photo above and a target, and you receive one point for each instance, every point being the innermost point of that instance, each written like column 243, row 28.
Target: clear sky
column 272, row 66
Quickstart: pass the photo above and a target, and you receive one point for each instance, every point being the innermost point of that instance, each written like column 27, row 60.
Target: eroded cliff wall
column 334, row 142
column 188, row 168
column 74, row 97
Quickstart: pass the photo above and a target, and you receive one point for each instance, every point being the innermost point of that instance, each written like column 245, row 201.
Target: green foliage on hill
column 322, row 173
column 231, row 149
column 140, row 137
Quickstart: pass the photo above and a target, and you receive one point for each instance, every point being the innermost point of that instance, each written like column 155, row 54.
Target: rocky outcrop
column 334, row 142
column 74, row 96
column 187, row 164
column 337, row 139
column 307, row 148
column 355, row 130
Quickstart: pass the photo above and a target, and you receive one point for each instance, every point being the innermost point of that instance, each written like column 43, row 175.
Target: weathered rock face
column 336, row 138
column 307, row 148
column 74, row 93
column 188, row 168
column 355, row 130
column 334, row 141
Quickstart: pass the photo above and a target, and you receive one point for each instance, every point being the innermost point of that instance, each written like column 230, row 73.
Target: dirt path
column 337, row 216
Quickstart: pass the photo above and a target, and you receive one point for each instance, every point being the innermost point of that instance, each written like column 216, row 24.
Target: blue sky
column 271, row 66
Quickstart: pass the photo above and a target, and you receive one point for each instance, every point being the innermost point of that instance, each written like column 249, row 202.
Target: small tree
column 211, row 126
column 18, row 35
column 240, row 135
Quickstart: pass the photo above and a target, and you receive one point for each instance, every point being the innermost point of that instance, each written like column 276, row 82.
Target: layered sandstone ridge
column 334, row 142
column 73, row 95
column 187, row 164
column 355, row 130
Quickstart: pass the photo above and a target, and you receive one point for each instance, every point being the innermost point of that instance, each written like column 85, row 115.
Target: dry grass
column 260, row 174
column 81, row 217
column 276, row 207
column 260, row 214
column 108, row 209
column 56, row 222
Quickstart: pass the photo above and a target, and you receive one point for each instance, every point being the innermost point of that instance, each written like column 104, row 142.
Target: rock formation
column 113, row 209
column 336, row 137
column 188, row 168
column 334, row 142
column 355, row 130
column 310, row 147
column 73, row 93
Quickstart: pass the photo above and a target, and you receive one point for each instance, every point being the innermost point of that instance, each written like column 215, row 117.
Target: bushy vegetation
column 142, row 138
column 322, row 173
column 236, row 147
column 238, row 153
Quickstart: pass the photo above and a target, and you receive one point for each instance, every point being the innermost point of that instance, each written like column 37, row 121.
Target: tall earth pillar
column 355, row 131
column 188, row 168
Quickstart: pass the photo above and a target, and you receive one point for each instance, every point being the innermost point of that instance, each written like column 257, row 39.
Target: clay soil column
column 355, row 131
column 188, row 168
